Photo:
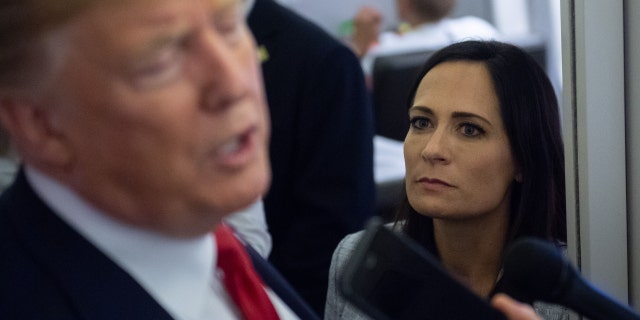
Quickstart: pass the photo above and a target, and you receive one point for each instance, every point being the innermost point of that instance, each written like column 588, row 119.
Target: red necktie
column 241, row 281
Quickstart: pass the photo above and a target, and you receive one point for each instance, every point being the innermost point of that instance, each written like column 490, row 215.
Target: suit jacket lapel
column 280, row 286
column 94, row 285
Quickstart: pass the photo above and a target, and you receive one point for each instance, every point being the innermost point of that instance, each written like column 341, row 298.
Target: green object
column 345, row 29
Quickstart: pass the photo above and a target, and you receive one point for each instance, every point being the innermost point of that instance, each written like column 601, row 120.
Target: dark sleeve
column 333, row 184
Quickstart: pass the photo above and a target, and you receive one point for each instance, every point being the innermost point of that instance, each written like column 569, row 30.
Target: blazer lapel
column 280, row 286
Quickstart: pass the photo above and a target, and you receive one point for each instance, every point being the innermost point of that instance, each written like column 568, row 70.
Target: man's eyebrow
column 174, row 36
column 228, row 4
column 158, row 42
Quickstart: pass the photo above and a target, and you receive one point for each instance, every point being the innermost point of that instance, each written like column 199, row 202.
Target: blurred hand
column 513, row 309
column 366, row 29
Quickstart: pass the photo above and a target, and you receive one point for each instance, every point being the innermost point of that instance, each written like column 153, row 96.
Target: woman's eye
column 420, row 123
column 471, row 130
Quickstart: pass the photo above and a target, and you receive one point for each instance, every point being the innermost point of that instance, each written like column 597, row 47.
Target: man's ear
column 518, row 177
column 32, row 134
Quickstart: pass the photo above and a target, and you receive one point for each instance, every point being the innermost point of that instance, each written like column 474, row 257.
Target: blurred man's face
column 161, row 107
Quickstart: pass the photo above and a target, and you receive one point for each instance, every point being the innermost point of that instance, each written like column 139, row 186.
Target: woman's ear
column 29, row 126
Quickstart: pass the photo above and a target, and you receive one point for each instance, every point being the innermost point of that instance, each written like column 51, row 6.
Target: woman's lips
column 433, row 184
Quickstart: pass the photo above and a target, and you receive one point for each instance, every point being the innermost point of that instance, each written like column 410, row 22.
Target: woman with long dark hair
column 484, row 166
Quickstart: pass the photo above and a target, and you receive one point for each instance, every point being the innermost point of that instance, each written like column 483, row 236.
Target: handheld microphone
column 537, row 270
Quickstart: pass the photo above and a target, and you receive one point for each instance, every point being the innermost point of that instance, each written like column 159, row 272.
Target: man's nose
column 224, row 72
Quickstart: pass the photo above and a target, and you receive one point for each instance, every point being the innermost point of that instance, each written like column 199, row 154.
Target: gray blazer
column 338, row 308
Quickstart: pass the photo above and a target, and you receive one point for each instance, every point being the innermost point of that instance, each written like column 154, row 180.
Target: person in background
column 424, row 25
column 140, row 125
column 321, row 145
column 485, row 167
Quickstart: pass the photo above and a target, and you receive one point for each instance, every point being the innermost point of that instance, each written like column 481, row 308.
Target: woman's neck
column 472, row 250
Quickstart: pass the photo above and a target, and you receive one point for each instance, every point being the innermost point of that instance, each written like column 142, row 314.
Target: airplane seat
column 393, row 75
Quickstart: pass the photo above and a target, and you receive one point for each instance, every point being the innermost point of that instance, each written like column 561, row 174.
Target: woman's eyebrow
column 460, row 114
column 455, row 114
column 424, row 109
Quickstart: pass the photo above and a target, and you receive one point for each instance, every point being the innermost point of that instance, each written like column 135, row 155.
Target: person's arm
column 250, row 225
column 333, row 185
column 513, row 309
column 366, row 29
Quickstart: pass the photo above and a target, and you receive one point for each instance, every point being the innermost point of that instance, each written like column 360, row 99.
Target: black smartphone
column 389, row 276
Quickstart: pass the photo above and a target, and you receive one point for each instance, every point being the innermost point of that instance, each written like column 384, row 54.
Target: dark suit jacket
column 49, row 271
column 321, row 145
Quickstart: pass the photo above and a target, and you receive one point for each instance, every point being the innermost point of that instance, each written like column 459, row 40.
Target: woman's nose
column 436, row 148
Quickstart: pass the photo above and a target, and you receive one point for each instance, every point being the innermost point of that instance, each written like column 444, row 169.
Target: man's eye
column 228, row 28
column 162, row 68
column 230, row 24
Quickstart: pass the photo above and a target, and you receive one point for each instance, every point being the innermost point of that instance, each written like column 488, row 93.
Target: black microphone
column 536, row 270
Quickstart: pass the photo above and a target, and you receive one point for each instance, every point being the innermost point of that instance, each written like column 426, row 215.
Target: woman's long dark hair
column 530, row 114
